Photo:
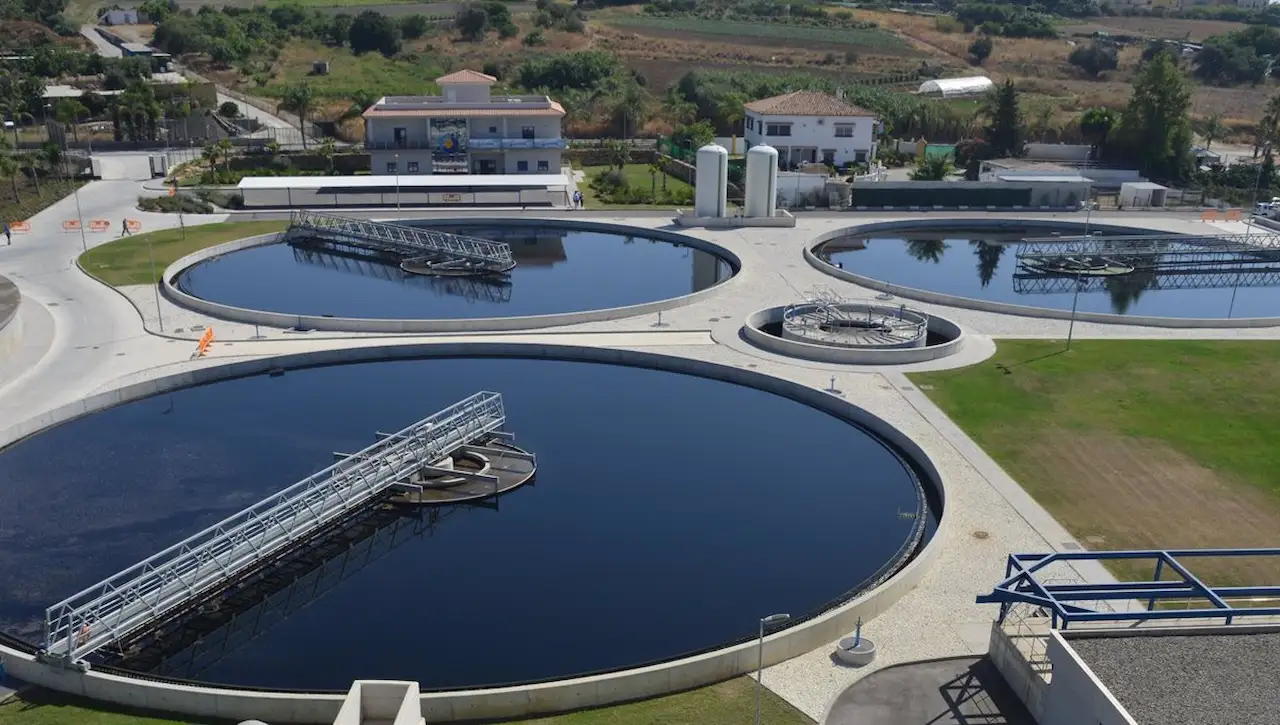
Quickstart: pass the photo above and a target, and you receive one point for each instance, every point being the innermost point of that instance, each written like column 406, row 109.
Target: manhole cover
column 980, row 534
column 1070, row 546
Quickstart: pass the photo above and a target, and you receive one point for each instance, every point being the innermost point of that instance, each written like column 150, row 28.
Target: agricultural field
column 1134, row 444
column 1165, row 28
column 871, row 40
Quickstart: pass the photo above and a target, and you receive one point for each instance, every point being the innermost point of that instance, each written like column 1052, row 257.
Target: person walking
column 124, row 227
column 8, row 235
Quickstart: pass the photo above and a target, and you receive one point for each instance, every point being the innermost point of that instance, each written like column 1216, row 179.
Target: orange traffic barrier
column 205, row 340
column 19, row 227
column 133, row 225
column 1209, row 216
column 99, row 225
column 1233, row 215
column 71, row 225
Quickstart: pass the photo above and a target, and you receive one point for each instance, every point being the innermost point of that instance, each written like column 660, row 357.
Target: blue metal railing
column 1065, row 602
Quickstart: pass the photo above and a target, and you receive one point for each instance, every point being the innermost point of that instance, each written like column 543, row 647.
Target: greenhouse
column 956, row 87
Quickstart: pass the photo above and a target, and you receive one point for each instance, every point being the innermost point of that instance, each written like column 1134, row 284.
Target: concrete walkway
column 963, row 691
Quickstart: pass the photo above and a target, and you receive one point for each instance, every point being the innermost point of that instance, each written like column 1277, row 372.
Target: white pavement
column 100, row 44
column 98, row 341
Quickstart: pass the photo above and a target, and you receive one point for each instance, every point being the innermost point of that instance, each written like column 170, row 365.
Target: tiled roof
column 806, row 103
column 497, row 111
column 467, row 76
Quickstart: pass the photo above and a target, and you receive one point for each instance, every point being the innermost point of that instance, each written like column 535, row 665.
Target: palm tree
column 9, row 166
column 1212, row 130
column 224, row 149
column 67, row 112
column 1269, row 126
column 654, row 169
column 52, row 156
column 300, row 99
column 927, row 250
column 328, row 149
column 678, row 107
column 630, row 108
column 732, row 109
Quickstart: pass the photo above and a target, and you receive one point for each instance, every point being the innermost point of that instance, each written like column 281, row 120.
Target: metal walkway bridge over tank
column 410, row 243
column 1165, row 261
column 366, row 263
column 181, row 575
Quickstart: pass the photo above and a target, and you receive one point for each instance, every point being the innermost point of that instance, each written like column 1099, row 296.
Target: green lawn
column 637, row 175
column 728, row 703
column 127, row 261
column 869, row 39
column 1135, row 444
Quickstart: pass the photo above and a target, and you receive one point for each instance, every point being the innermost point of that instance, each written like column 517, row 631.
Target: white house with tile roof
column 807, row 126
column 464, row 130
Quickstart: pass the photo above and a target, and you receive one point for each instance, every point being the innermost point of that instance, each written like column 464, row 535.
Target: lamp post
column 1075, row 298
column 397, row 157
column 766, row 621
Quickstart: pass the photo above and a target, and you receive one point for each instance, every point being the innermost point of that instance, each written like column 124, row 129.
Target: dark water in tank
column 981, row 264
column 669, row 513
column 557, row 271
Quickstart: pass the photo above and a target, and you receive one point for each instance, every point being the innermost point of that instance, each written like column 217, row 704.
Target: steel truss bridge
column 487, row 288
column 1166, row 261
column 146, row 593
column 189, row 644
column 409, row 243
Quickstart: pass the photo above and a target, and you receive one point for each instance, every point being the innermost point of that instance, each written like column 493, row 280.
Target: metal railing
column 1183, row 245
column 145, row 592
column 487, row 288
column 404, row 240
column 477, row 143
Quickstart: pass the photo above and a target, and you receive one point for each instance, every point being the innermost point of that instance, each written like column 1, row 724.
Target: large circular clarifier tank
column 762, row 181
column 564, row 270
column 648, row 499
column 712, row 184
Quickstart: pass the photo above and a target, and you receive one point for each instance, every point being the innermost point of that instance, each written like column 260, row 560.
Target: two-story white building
column 465, row 130
column 807, row 126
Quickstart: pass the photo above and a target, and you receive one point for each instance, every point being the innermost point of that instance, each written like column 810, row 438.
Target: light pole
column 397, row 157
column 769, row 620
column 84, row 245
column 1075, row 298
column 155, row 283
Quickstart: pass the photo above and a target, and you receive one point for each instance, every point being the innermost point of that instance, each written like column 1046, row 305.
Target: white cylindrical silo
column 762, row 181
column 712, row 188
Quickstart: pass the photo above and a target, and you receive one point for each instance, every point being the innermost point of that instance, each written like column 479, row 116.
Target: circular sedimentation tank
column 566, row 271
column 980, row 264
column 828, row 328
column 647, row 499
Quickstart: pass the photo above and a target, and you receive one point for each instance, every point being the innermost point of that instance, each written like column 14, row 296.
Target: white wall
column 1075, row 694
column 1057, row 151
column 465, row 92
column 815, row 132
column 378, row 160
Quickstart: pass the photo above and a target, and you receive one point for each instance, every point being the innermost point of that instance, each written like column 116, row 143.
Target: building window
column 401, row 135
column 844, row 130
column 777, row 129
column 391, row 167
column 828, row 156
column 413, row 167
column 493, row 129
column 526, row 132
column 751, row 123
column 544, row 165
column 522, row 166
column 860, row 156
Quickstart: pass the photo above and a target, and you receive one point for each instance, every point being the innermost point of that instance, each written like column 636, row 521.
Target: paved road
column 100, row 44
column 94, row 331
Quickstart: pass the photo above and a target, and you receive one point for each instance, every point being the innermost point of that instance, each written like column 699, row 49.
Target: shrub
column 229, row 110
column 535, row 38
column 510, row 30
column 173, row 204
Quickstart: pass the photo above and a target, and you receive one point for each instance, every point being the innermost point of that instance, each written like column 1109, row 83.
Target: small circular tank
column 710, row 194
column 762, row 181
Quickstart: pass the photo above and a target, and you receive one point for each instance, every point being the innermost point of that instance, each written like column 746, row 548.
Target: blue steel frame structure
column 1021, row 585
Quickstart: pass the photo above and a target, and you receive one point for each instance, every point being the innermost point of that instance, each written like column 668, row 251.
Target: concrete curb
column 501, row 702
column 482, row 324
column 1005, row 308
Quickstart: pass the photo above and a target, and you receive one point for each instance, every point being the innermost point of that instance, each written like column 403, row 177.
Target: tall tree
column 9, row 166
column 1096, row 125
column 68, row 112
column 630, row 108
column 1004, row 132
column 1213, row 130
column 1154, row 129
column 299, row 99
